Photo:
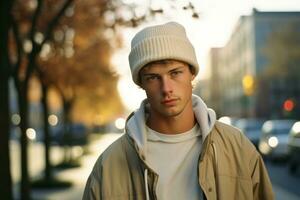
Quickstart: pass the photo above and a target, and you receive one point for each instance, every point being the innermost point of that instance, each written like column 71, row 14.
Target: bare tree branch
column 35, row 19
column 55, row 20
column 37, row 48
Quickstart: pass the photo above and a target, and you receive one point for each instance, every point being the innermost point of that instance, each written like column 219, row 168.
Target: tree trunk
column 23, row 86
column 47, row 139
column 67, row 132
column 5, row 180
column 23, row 108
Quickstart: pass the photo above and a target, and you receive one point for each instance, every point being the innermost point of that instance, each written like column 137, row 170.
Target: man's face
column 168, row 86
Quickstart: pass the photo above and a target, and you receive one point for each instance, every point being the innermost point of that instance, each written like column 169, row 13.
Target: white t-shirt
column 175, row 159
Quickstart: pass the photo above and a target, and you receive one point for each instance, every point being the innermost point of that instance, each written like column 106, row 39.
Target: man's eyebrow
column 177, row 68
column 149, row 74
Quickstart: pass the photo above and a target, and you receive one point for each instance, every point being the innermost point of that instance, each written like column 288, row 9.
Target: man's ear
column 193, row 77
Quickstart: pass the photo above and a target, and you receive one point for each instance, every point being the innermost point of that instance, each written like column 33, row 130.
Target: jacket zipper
column 215, row 154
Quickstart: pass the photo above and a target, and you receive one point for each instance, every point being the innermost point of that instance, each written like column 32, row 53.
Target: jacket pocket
column 234, row 187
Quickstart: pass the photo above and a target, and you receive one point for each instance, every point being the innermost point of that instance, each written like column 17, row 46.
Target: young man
column 173, row 147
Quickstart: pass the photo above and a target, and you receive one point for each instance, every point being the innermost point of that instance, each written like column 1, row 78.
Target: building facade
column 239, row 83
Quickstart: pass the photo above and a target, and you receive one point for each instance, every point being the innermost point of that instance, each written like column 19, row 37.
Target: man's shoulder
column 231, row 140
column 115, row 150
column 118, row 153
column 232, row 135
column 227, row 129
column 117, row 161
column 108, row 158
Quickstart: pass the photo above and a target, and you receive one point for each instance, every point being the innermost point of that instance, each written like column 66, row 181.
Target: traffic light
column 288, row 105
column 248, row 85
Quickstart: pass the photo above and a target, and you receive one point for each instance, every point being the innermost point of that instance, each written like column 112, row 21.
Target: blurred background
column 66, row 88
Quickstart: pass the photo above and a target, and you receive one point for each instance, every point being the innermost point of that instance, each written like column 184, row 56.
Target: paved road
column 286, row 186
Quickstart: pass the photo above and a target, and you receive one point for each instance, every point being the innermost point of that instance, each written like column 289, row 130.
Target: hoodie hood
column 136, row 122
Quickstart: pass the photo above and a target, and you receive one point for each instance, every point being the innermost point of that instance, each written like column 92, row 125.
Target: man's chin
column 171, row 112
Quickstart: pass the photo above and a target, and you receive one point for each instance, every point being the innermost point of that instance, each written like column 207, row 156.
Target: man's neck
column 172, row 125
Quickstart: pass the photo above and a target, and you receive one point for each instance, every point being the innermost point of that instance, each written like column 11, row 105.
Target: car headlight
column 273, row 141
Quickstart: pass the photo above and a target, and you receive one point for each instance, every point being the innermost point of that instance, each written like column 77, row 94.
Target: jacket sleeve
column 262, row 187
column 92, row 189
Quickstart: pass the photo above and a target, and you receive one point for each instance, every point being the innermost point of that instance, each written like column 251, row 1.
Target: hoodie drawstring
column 146, row 184
column 216, row 167
column 215, row 153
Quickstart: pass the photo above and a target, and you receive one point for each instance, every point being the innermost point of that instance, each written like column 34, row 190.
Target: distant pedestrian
column 173, row 147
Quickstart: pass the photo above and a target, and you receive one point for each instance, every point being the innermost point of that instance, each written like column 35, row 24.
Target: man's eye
column 175, row 73
column 150, row 78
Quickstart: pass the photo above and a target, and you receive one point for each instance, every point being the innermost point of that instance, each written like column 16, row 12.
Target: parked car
column 294, row 148
column 251, row 127
column 274, row 138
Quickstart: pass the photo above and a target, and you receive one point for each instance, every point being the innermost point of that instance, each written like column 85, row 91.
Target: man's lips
column 169, row 102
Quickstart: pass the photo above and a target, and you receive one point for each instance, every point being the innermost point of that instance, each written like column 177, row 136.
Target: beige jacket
column 229, row 167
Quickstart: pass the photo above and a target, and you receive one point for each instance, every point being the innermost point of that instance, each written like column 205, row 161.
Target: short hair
column 165, row 61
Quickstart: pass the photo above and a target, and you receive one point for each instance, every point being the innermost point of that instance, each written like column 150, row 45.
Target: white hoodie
column 137, row 129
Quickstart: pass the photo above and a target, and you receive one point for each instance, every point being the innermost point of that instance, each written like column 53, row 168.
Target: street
column 285, row 186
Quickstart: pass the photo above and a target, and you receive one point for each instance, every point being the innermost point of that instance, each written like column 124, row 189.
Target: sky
column 212, row 29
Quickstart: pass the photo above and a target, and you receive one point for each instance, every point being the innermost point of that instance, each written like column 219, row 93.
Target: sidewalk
column 77, row 176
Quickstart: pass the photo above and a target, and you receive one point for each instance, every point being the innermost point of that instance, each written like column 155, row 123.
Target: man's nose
column 167, row 86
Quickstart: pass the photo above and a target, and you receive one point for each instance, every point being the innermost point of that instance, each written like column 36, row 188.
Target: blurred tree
column 5, row 23
column 85, row 79
column 78, row 64
column 33, row 24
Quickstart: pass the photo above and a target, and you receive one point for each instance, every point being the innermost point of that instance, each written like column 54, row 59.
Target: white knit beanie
column 160, row 42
